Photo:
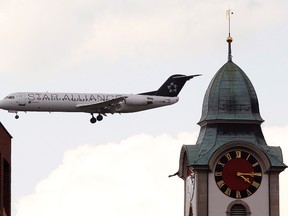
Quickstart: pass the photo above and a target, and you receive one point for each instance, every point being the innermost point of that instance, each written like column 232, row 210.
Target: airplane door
column 22, row 100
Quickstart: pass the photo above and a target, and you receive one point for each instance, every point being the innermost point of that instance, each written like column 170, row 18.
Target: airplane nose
column 3, row 104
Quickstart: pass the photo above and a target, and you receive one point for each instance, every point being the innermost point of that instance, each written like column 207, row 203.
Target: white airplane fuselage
column 81, row 102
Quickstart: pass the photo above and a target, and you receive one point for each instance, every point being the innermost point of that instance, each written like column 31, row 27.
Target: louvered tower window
column 238, row 210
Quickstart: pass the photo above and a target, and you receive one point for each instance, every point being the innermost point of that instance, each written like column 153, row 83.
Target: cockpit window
column 10, row 97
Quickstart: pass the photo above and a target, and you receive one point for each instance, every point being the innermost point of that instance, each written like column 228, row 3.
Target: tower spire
column 229, row 38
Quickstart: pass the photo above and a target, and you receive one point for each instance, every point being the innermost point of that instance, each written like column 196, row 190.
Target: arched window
column 238, row 208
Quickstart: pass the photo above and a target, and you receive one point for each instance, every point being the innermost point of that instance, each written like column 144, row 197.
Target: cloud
column 125, row 178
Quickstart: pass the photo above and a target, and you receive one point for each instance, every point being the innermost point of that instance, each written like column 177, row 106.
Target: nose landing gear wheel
column 17, row 116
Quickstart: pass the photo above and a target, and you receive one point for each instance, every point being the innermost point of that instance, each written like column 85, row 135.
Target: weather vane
column 229, row 38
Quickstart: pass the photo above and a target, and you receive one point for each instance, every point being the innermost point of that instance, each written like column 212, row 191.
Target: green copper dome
column 230, row 97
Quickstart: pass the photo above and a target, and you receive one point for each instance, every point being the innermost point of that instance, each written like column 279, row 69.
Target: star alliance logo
column 172, row 88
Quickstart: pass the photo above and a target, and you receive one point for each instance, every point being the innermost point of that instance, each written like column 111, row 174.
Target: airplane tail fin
column 172, row 86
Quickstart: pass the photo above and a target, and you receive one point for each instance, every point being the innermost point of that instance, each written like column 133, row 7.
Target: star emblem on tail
column 172, row 88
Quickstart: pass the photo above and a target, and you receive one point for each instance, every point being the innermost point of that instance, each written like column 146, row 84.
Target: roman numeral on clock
column 255, row 184
column 228, row 156
column 238, row 154
column 220, row 183
column 228, row 191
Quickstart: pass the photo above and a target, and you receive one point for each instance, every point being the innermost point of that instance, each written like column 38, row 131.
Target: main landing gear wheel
column 98, row 118
column 16, row 116
column 93, row 120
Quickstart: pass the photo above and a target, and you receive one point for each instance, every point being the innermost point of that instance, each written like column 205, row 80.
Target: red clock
column 238, row 174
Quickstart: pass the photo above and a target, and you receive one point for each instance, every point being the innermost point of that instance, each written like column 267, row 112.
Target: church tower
column 5, row 172
column 231, row 170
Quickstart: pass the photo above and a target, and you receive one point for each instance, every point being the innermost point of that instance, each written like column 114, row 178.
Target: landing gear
column 98, row 118
column 16, row 116
column 93, row 120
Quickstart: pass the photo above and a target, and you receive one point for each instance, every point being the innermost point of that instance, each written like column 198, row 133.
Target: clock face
column 238, row 174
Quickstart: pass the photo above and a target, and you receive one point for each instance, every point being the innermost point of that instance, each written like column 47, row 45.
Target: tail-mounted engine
column 138, row 100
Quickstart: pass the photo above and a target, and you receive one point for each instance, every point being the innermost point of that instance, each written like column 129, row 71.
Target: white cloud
column 126, row 178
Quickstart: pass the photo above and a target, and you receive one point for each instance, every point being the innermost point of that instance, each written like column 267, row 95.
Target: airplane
column 98, row 103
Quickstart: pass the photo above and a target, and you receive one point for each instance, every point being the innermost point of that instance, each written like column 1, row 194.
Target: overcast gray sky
column 62, row 164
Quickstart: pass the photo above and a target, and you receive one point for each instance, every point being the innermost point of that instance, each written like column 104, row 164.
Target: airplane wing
column 102, row 107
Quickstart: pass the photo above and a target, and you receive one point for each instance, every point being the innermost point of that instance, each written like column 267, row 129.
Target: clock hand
column 246, row 179
column 241, row 176
column 252, row 174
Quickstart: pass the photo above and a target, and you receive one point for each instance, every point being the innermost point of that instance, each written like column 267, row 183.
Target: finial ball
column 229, row 39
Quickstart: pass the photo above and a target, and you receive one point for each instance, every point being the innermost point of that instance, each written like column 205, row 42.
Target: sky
column 62, row 164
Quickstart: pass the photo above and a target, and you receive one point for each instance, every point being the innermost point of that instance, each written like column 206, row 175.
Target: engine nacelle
column 138, row 100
